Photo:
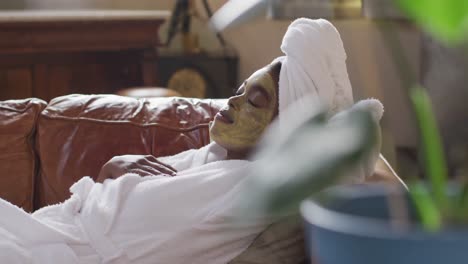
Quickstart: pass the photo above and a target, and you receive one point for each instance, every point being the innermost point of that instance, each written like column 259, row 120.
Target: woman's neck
column 237, row 155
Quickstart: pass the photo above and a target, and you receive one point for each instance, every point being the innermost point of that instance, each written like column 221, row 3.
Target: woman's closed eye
column 257, row 99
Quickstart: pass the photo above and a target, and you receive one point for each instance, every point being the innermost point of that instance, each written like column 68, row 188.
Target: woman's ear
column 275, row 69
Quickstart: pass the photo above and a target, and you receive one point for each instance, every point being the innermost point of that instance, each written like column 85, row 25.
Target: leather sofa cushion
column 77, row 134
column 18, row 162
column 280, row 243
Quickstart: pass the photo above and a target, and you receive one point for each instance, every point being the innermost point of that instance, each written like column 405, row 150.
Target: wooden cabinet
column 15, row 82
column 48, row 54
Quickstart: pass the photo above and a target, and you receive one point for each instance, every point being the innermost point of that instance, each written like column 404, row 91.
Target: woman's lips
column 224, row 117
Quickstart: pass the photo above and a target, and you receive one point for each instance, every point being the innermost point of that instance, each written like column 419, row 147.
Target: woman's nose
column 234, row 101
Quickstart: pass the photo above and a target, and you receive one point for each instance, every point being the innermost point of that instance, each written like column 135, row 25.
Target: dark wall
column 445, row 75
column 12, row 4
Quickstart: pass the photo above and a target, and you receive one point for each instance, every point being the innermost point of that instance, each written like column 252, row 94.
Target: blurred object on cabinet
column 181, row 20
column 191, row 70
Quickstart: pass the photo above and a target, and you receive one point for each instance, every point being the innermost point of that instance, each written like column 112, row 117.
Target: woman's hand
column 139, row 164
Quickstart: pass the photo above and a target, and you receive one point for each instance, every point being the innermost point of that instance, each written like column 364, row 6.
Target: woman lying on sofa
column 188, row 218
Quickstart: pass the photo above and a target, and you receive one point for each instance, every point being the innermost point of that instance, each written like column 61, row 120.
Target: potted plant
column 357, row 224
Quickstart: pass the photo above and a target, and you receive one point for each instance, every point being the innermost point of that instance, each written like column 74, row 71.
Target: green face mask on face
column 239, row 125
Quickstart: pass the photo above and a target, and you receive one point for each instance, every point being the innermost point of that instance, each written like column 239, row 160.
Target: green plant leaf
column 446, row 20
column 434, row 161
column 429, row 215
column 462, row 204
column 314, row 157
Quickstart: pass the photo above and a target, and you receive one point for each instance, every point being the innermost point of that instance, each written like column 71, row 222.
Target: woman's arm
column 143, row 165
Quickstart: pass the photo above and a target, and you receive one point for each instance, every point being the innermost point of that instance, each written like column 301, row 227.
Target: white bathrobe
column 188, row 218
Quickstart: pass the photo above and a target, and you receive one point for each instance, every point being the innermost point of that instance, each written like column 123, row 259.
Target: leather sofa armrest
column 18, row 159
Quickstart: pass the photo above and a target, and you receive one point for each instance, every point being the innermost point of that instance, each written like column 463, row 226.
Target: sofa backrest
column 18, row 162
column 78, row 134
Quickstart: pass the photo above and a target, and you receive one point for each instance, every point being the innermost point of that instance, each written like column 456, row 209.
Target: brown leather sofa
column 45, row 148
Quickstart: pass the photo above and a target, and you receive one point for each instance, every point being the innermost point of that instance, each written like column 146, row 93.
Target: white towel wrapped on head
column 313, row 69
column 314, row 78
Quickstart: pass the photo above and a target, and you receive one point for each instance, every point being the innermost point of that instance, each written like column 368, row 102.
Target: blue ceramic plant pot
column 350, row 225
